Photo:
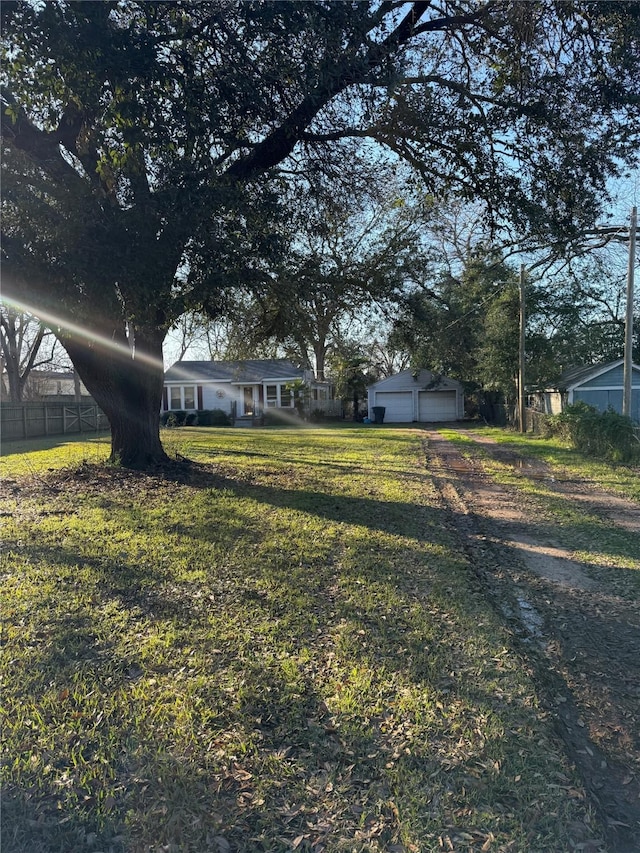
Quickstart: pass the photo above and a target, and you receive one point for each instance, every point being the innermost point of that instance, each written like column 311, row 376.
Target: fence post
column 24, row 421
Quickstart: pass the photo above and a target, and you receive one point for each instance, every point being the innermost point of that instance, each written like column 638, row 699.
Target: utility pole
column 522, row 409
column 628, row 329
column 609, row 233
column 521, row 355
column 620, row 233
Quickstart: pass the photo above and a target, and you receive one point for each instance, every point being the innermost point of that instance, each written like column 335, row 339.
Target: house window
column 182, row 398
column 272, row 396
column 189, row 397
column 278, row 395
column 175, row 399
column 285, row 397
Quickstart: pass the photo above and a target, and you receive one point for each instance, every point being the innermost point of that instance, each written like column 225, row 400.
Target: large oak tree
column 146, row 145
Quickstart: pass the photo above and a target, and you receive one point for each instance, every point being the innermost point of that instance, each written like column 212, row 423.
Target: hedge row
column 607, row 435
column 203, row 417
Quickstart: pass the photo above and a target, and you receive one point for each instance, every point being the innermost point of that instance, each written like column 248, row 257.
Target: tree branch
column 281, row 141
column 41, row 147
column 439, row 24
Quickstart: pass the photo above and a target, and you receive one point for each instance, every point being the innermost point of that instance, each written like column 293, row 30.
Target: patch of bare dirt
column 581, row 639
column 596, row 500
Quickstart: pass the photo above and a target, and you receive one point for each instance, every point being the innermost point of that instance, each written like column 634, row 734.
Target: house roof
column 52, row 374
column 424, row 379
column 248, row 370
column 577, row 375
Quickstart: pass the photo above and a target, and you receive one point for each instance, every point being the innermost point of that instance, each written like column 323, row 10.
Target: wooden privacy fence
column 34, row 420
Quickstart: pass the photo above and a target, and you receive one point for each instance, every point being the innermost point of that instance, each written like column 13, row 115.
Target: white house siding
column 222, row 395
column 550, row 402
column 228, row 385
column 214, row 396
column 218, row 396
column 437, row 406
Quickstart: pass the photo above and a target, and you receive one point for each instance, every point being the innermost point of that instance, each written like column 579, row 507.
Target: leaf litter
column 360, row 696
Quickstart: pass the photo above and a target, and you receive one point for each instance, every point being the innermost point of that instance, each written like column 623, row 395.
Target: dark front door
column 247, row 400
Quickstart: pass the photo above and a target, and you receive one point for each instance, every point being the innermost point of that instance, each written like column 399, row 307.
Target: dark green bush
column 317, row 416
column 173, row 419
column 213, row 417
column 203, row 417
column 607, row 435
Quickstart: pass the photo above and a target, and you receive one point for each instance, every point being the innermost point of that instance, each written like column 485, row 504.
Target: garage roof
column 423, row 379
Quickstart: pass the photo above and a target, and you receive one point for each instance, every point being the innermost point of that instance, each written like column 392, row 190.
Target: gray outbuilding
column 599, row 385
column 417, row 396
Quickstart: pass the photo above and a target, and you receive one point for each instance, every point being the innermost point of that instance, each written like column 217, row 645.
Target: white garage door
column 437, row 406
column 398, row 405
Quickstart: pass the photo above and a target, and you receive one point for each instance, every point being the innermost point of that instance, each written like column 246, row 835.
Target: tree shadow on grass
column 291, row 768
column 351, row 467
column 420, row 522
column 340, row 770
column 33, row 822
column 289, row 748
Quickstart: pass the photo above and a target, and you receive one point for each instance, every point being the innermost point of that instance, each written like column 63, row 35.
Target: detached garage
column 417, row 396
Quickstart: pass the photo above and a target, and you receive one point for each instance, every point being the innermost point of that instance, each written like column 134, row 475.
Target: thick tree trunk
column 135, row 433
column 129, row 392
column 356, row 406
column 133, row 412
column 320, row 353
column 14, row 381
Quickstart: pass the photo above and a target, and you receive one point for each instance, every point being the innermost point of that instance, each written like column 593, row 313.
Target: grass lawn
column 608, row 552
column 283, row 649
column 623, row 480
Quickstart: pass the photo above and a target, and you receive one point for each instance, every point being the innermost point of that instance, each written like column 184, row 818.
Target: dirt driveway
column 557, row 562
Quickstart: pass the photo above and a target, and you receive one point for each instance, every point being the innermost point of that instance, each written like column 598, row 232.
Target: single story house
column 417, row 395
column 242, row 389
column 599, row 385
column 48, row 384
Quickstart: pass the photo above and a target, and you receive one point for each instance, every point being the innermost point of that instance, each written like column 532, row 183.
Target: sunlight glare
column 93, row 338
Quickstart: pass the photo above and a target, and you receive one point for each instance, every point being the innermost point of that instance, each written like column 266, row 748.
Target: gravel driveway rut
column 577, row 629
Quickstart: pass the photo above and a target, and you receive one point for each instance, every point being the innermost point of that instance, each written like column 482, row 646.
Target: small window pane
column 272, row 396
column 175, row 401
column 285, row 397
column 189, row 397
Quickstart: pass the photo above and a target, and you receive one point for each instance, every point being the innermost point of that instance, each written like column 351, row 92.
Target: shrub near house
column 201, row 417
column 607, row 435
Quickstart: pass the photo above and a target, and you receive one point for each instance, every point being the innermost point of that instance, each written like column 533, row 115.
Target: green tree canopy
column 465, row 327
column 340, row 262
column 147, row 146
